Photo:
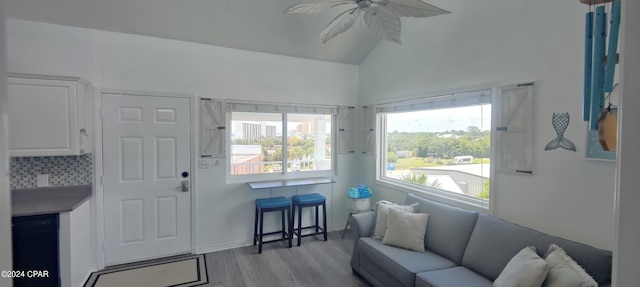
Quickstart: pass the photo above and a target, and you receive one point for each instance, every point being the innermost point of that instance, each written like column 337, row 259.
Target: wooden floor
column 314, row 263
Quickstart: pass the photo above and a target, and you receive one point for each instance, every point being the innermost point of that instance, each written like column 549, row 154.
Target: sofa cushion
column 382, row 215
column 564, row 271
column 495, row 241
column 406, row 230
column 402, row 264
column 452, row 277
column 449, row 227
column 526, row 269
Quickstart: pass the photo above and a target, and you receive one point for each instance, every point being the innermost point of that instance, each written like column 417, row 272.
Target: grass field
column 411, row 162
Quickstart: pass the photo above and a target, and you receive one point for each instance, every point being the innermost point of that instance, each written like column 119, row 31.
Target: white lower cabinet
column 77, row 254
column 46, row 115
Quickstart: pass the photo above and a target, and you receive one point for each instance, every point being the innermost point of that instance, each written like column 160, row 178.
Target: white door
column 146, row 160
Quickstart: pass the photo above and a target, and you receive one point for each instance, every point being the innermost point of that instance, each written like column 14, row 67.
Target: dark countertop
column 288, row 182
column 47, row 200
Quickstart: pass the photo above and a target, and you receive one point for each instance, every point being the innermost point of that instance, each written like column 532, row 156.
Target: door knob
column 184, row 185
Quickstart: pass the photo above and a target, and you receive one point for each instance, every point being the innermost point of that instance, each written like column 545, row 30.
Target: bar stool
column 271, row 204
column 310, row 200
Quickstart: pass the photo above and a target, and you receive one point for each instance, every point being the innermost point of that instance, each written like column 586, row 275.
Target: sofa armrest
column 361, row 225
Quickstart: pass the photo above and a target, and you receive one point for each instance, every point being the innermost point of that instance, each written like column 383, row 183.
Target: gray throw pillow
column 382, row 215
column 564, row 271
column 525, row 269
column 406, row 230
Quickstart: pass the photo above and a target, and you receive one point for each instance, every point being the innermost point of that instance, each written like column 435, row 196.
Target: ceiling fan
column 381, row 16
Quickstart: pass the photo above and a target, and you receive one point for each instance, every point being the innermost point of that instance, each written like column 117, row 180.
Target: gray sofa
column 463, row 248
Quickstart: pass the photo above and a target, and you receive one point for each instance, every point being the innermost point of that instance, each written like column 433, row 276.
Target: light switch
column 42, row 180
column 203, row 163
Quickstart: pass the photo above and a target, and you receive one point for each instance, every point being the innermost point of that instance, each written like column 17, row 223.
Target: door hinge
column 102, row 180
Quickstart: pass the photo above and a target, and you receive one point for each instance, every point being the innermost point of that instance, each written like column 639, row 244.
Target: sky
column 440, row 120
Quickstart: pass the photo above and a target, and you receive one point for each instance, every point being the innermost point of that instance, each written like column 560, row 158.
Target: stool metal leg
column 299, row 225
column 255, row 227
column 261, row 231
column 317, row 219
column 289, row 225
column 284, row 232
column 346, row 225
column 324, row 220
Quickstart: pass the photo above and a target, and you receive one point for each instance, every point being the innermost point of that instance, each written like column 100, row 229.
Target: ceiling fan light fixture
column 381, row 16
column 364, row 4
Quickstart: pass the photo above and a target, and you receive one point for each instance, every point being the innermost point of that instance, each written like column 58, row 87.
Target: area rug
column 184, row 272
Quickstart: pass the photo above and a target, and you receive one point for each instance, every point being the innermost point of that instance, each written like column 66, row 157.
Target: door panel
column 146, row 148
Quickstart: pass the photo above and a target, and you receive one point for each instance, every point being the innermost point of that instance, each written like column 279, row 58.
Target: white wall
column 121, row 61
column 507, row 42
column 626, row 251
column 5, row 195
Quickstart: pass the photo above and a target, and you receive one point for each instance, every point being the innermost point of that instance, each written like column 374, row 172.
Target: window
column 269, row 139
column 440, row 145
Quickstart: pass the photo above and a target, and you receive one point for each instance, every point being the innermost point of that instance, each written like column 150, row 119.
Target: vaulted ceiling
column 255, row 25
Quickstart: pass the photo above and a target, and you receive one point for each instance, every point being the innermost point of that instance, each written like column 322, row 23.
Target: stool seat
column 273, row 202
column 308, row 198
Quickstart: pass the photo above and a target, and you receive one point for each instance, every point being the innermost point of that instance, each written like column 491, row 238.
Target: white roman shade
column 279, row 108
column 212, row 128
column 472, row 98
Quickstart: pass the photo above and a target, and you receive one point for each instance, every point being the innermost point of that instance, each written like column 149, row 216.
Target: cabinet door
column 43, row 117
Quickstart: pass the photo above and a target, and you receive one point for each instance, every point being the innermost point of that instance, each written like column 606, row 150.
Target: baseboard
column 223, row 246
column 242, row 243
column 86, row 277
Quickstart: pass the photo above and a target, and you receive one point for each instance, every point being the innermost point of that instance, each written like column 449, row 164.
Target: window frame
column 284, row 110
column 439, row 194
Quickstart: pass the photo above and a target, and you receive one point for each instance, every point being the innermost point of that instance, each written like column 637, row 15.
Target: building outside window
column 280, row 141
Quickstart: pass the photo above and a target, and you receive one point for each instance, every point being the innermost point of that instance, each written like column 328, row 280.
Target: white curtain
column 345, row 130
column 369, row 130
column 212, row 127
column 514, row 129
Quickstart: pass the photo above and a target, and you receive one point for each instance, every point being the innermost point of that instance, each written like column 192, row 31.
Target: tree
column 392, row 157
column 422, row 180
column 485, row 189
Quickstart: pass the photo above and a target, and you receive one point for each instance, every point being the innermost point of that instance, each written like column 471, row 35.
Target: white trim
column 210, row 248
column 98, row 199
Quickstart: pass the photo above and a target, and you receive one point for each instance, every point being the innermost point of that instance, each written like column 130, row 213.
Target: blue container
column 353, row 193
column 364, row 191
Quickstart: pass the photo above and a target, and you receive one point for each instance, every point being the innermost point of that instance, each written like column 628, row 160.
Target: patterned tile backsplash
column 62, row 170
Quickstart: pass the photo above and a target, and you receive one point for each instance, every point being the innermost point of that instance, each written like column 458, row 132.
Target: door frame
column 98, row 198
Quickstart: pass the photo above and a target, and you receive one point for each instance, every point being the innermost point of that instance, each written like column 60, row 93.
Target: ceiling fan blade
column 311, row 8
column 339, row 24
column 411, row 8
column 384, row 24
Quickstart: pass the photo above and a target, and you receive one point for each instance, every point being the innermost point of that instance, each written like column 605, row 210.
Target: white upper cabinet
column 46, row 115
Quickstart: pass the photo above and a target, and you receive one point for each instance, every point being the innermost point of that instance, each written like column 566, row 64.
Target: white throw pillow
column 525, row 269
column 382, row 215
column 406, row 229
column 564, row 271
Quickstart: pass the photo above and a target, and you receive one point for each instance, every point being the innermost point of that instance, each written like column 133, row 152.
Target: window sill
column 289, row 182
column 462, row 201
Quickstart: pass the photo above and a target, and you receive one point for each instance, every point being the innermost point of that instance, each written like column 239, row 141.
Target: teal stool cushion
column 273, row 202
column 308, row 198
